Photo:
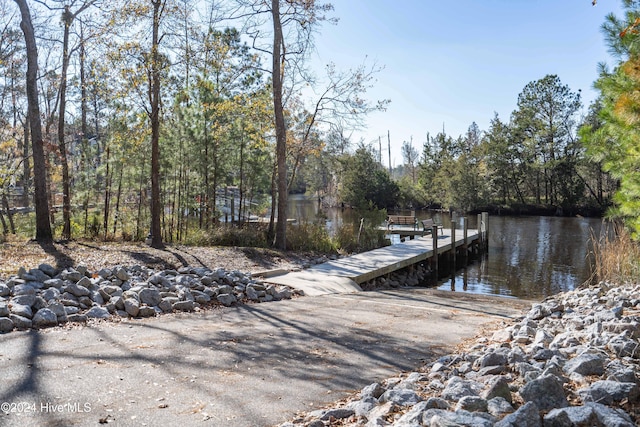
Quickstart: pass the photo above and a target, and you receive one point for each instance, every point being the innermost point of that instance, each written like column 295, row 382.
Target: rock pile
column 410, row 276
column 43, row 297
column 571, row 361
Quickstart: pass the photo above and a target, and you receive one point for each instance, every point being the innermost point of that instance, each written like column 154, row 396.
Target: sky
column 451, row 63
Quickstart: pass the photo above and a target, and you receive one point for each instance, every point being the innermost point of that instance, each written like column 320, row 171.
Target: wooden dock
column 346, row 274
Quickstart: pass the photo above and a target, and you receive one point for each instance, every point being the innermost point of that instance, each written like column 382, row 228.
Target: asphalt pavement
column 248, row 365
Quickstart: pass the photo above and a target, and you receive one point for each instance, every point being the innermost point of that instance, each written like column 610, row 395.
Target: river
column 529, row 257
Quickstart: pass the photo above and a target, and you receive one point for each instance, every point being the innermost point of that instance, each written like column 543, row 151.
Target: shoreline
column 572, row 359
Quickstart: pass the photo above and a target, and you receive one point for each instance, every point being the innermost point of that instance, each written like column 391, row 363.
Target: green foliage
column 229, row 235
column 544, row 124
column 312, row 237
column 217, row 134
column 535, row 159
column 614, row 260
column 411, row 196
column 361, row 233
column 350, row 238
column 365, row 183
column 611, row 134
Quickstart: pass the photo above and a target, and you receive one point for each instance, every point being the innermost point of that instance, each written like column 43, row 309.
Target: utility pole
column 389, row 145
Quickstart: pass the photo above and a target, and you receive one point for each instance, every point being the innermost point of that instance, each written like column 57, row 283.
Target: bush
column 231, row 235
column 312, row 237
column 615, row 257
column 350, row 238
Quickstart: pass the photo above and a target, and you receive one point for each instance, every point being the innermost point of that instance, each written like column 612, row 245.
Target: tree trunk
column 5, row 203
column 206, row 195
column 241, row 184
column 67, row 19
column 107, row 196
column 156, row 208
column 5, row 230
column 281, row 135
column 50, row 195
column 84, row 129
column 116, row 216
column 26, row 170
column 141, row 201
column 43, row 227
column 271, row 230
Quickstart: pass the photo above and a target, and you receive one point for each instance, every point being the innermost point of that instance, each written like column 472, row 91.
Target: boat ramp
column 437, row 249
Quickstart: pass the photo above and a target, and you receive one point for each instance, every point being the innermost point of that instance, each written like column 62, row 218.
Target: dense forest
column 149, row 118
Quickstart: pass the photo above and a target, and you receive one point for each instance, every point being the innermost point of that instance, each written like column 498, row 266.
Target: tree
column 410, row 157
column 43, row 227
column 614, row 141
column 293, row 24
column 601, row 185
column 145, row 69
column 154, row 98
column 546, row 122
column 504, row 174
column 366, row 184
column 67, row 20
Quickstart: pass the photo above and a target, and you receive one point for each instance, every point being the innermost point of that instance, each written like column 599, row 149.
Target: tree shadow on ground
column 460, row 301
column 271, row 258
column 62, row 259
column 244, row 359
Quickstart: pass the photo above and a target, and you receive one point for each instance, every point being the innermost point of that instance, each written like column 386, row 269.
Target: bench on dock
column 401, row 220
column 427, row 225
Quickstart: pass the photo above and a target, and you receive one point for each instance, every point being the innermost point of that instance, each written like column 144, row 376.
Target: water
column 528, row 257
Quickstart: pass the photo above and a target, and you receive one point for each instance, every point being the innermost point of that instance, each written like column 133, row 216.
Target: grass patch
column 254, row 235
column 615, row 257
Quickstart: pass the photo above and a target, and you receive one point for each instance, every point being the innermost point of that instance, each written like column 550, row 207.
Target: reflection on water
column 308, row 209
column 529, row 257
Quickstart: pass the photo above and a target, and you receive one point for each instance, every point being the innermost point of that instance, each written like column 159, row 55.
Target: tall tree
column 546, row 117
column 43, row 227
column 144, row 70
column 154, row 98
column 410, row 157
column 366, row 183
column 293, row 24
column 278, row 60
column 68, row 16
column 615, row 139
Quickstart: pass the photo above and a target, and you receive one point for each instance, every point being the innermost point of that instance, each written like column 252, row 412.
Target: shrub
column 351, row 238
column 312, row 237
column 236, row 235
column 615, row 257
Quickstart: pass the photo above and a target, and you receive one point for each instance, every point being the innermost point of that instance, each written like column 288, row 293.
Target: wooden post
column 480, row 244
column 485, row 220
column 233, row 209
column 465, row 231
column 453, row 246
column 434, row 236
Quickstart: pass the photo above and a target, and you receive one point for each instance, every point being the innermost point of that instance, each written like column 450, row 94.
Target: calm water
column 528, row 257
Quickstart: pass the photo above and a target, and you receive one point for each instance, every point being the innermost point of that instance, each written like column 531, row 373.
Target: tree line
column 135, row 117
column 535, row 162
column 143, row 118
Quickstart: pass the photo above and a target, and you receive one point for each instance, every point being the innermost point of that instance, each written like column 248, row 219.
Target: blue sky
column 455, row 62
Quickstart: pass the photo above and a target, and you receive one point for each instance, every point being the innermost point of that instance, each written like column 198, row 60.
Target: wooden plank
column 368, row 265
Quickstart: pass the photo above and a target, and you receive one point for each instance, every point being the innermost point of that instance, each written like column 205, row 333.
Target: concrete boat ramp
column 346, row 274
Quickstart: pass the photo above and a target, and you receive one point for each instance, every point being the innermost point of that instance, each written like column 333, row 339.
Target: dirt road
column 250, row 365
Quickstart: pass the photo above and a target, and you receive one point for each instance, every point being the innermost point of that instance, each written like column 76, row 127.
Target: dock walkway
column 346, row 274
